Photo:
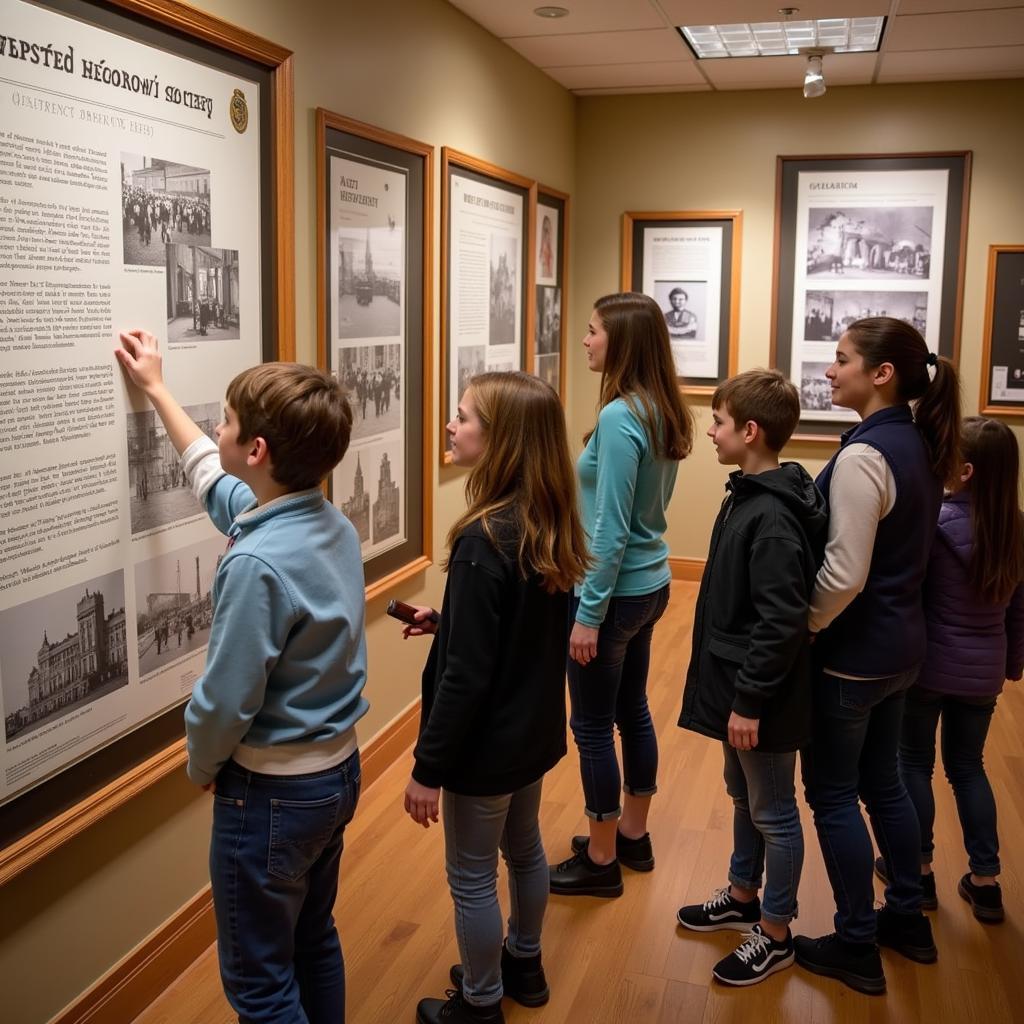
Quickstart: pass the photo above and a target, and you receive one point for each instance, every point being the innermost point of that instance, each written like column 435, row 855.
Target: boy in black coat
column 748, row 683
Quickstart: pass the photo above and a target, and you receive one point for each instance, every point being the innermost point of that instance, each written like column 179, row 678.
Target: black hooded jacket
column 751, row 649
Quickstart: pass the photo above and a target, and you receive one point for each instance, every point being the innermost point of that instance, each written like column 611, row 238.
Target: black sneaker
column 635, row 854
column 757, row 957
column 986, row 900
column 522, row 978
column 580, row 876
column 929, row 898
column 909, row 934
column 719, row 913
column 455, row 1010
column 859, row 966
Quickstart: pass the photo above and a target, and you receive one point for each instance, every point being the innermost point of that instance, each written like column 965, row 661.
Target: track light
column 814, row 79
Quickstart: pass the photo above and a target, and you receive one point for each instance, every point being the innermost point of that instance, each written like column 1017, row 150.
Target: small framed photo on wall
column 551, row 243
column 1002, row 364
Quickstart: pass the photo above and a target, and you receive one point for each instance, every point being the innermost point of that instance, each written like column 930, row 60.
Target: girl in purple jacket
column 974, row 610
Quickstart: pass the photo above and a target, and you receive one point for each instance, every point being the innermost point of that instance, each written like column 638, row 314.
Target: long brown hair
column 997, row 560
column 638, row 368
column 884, row 339
column 525, row 473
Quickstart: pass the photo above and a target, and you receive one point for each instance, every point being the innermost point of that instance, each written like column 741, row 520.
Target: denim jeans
column 612, row 691
column 765, row 827
column 965, row 722
column 856, row 734
column 274, row 860
column 475, row 828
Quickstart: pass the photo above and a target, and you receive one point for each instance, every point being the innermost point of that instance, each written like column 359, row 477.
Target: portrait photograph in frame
column 689, row 263
column 863, row 236
column 1002, row 362
column 551, row 244
column 487, row 273
column 374, row 333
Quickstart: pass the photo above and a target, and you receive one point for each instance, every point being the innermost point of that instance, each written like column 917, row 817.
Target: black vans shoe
column 857, row 965
column 719, row 913
column 929, row 899
column 758, row 957
column 909, row 934
column 986, row 900
column 635, row 854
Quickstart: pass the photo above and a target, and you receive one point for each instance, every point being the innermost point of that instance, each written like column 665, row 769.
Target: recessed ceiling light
column 779, row 38
column 551, row 12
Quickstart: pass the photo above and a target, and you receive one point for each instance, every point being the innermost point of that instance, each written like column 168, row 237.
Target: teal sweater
column 625, row 488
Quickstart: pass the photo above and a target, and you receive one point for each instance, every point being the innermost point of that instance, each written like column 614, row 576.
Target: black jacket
column 493, row 715
column 751, row 650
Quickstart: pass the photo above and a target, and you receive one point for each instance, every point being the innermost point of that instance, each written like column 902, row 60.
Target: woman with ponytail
column 884, row 490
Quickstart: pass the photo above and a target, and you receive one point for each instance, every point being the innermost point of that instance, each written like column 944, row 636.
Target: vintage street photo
column 862, row 242
column 159, row 492
column 61, row 652
column 548, row 367
column 472, row 360
column 549, row 320
column 372, row 375
column 828, row 314
column 367, row 489
column 386, row 508
column 502, row 304
column 815, row 387
column 174, row 606
column 162, row 202
column 684, row 304
column 370, row 262
column 202, row 293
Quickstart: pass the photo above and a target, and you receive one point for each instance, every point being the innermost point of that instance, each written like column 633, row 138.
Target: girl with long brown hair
column 626, row 472
column 493, row 715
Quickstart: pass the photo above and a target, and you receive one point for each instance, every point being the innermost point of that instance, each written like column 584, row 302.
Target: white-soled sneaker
column 720, row 912
column 758, row 957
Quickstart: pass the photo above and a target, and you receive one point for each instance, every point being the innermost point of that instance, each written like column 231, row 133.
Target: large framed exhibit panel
column 374, row 216
column 689, row 263
column 1002, row 363
column 551, row 300
column 487, row 305
column 145, row 182
column 860, row 236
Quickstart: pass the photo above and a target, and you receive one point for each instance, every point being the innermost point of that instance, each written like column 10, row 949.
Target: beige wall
column 717, row 152
column 420, row 68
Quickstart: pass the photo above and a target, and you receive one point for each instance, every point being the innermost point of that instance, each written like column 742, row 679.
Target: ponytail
column 937, row 416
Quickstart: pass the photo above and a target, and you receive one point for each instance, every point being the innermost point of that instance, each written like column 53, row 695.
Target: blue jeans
column 274, row 860
column 612, row 691
column 965, row 722
column 475, row 827
column 856, row 734
column 765, row 826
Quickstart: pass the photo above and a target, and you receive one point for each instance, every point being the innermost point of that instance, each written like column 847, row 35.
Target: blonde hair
column 525, row 474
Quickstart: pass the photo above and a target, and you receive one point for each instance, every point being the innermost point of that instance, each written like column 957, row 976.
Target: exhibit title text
column 350, row 193
column 491, row 204
column 831, row 186
column 53, row 57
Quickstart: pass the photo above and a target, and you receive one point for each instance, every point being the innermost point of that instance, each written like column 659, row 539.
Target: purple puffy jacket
column 972, row 647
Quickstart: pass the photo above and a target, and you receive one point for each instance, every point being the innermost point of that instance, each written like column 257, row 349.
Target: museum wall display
column 551, row 284
column 1002, row 367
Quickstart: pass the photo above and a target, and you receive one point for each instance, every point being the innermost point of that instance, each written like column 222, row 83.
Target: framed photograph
column 163, row 185
column 374, row 212
column 486, row 274
column 551, row 243
column 860, row 236
column 1002, row 362
column 689, row 263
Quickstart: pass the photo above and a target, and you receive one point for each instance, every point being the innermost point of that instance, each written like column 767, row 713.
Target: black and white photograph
column 500, row 366
column 162, row 202
column 815, row 387
column 549, row 320
column 548, row 367
column 61, row 652
column 159, row 493
column 684, row 304
column 370, row 282
column 174, row 603
column 472, row 360
column 547, row 245
column 372, row 375
column 202, row 294
column 351, row 492
column 502, row 304
column 884, row 241
column 828, row 314
column 386, row 503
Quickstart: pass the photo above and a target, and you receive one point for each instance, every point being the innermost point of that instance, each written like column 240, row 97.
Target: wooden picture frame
column 855, row 236
column 551, row 290
column 406, row 236
column 690, row 257
column 52, row 812
column 1002, row 340
column 507, row 189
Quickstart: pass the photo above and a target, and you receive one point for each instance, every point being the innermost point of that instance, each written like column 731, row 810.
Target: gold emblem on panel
column 239, row 111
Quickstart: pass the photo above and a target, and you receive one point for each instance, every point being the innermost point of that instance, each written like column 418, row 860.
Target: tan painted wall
column 420, row 68
column 711, row 152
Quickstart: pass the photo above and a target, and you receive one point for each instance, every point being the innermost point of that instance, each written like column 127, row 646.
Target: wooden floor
column 624, row 960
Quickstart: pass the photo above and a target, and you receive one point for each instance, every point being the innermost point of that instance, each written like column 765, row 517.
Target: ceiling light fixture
column 551, row 12
column 780, row 38
column 814, row 79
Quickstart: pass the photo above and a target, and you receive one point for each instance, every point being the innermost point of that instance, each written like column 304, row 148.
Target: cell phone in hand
column 407, row 613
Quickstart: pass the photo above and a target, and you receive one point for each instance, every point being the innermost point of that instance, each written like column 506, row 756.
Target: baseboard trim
column 690, row 569
column 139, row 978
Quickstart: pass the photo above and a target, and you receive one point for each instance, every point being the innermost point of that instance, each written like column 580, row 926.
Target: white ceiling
column 630, row 46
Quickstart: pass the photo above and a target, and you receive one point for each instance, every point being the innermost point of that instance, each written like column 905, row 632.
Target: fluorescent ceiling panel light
column 777, row 38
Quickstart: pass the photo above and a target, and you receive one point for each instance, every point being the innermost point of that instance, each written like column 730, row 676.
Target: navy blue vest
column 882, row 631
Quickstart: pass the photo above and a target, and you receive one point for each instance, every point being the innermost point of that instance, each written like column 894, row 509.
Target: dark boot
column 580, row 876
column 858, row 965
column 455, row 1010
column 986, row 900
column 522, row 978
column 909, row 934
column 635, row 854
column 929, row 898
